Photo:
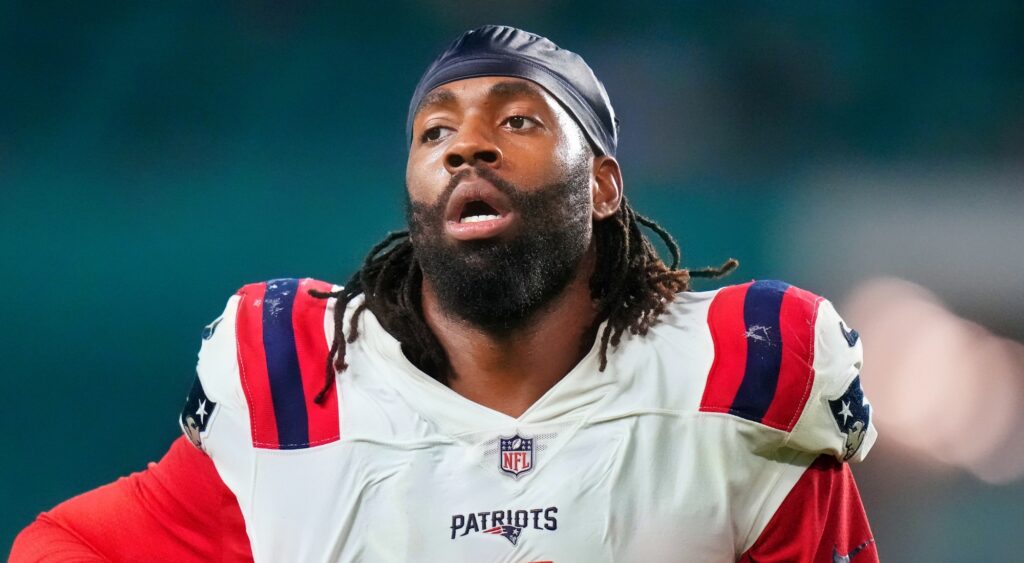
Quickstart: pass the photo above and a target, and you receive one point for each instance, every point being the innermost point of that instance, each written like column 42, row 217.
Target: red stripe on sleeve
column 822, row 519
column 311, row 347
column 252, row 365
column 725, row 319
column 796, row 373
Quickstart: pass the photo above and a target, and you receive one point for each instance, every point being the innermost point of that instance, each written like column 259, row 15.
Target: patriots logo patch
column 209, row 329
column 511, row 533
column 508, row 524
column 850, row 335
column 852, row 415
column 196, row 414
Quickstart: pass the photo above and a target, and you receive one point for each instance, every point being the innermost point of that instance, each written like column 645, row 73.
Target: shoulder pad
column 282, row 344
column 783, row 359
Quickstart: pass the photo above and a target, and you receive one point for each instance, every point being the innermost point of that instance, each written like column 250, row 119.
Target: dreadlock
column 631, row 286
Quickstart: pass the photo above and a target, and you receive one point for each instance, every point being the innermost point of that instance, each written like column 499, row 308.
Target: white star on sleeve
column 846, row 411
column 201, row 411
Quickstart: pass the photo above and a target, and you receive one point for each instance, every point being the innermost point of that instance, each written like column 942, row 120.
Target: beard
column 499, row 284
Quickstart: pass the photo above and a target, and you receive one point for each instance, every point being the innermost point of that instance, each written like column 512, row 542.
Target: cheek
column 425, row 177
column 531, row 165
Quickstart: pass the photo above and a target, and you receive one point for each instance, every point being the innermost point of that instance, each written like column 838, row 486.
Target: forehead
column 486, row 89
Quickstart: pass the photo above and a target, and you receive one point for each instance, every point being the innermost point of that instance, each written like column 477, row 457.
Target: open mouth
column 477, row 210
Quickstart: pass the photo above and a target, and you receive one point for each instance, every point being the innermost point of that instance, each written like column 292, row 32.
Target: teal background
column 156, row 156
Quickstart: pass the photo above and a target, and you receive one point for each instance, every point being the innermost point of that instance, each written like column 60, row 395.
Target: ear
column 606, row 187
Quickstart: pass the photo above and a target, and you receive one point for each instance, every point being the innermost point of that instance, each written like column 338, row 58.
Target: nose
column 471, row 147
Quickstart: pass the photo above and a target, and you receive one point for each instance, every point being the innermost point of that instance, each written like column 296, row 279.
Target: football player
column 518, row 377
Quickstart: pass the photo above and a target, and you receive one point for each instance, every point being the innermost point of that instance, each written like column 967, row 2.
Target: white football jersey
column 681, row 449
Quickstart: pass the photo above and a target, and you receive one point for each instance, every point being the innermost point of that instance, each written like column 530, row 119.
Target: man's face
column 500, row 207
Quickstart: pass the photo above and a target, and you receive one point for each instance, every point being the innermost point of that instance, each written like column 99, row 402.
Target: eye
column 435, row 133
column 520, row 123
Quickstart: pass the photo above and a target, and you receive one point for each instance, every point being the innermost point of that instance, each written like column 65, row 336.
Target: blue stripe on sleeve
column 283, row 365
column 764, row 349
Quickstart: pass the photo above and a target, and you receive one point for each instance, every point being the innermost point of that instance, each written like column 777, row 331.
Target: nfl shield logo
column 516, row 455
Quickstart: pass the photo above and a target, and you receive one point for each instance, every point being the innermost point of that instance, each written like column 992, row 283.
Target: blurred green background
column 156, row 156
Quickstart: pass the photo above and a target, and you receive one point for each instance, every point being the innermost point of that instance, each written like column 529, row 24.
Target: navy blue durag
column 497, row 50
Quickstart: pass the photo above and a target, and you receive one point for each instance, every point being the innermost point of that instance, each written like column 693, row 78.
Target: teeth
column 479, row 218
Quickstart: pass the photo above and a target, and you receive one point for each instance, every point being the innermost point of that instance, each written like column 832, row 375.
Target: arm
column 821, row 520
column 175, row 510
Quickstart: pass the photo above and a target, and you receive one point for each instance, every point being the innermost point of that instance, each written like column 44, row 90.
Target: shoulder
column 268, row 302
column 785, row 360
column 265, row 359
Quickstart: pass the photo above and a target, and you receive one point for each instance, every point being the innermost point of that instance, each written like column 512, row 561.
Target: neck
column 510, row 371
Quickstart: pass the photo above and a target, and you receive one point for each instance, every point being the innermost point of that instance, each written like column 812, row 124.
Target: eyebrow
column 505, row 90
column 513, row 89
column 439, row 97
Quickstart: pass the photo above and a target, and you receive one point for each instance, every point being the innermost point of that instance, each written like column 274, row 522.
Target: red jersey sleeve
column 175, row 510
column 821, row 520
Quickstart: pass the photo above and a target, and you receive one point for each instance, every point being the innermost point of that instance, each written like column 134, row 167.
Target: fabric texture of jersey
column 684, row 448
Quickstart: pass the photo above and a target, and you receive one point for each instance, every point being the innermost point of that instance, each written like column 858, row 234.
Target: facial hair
column 499, row 284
